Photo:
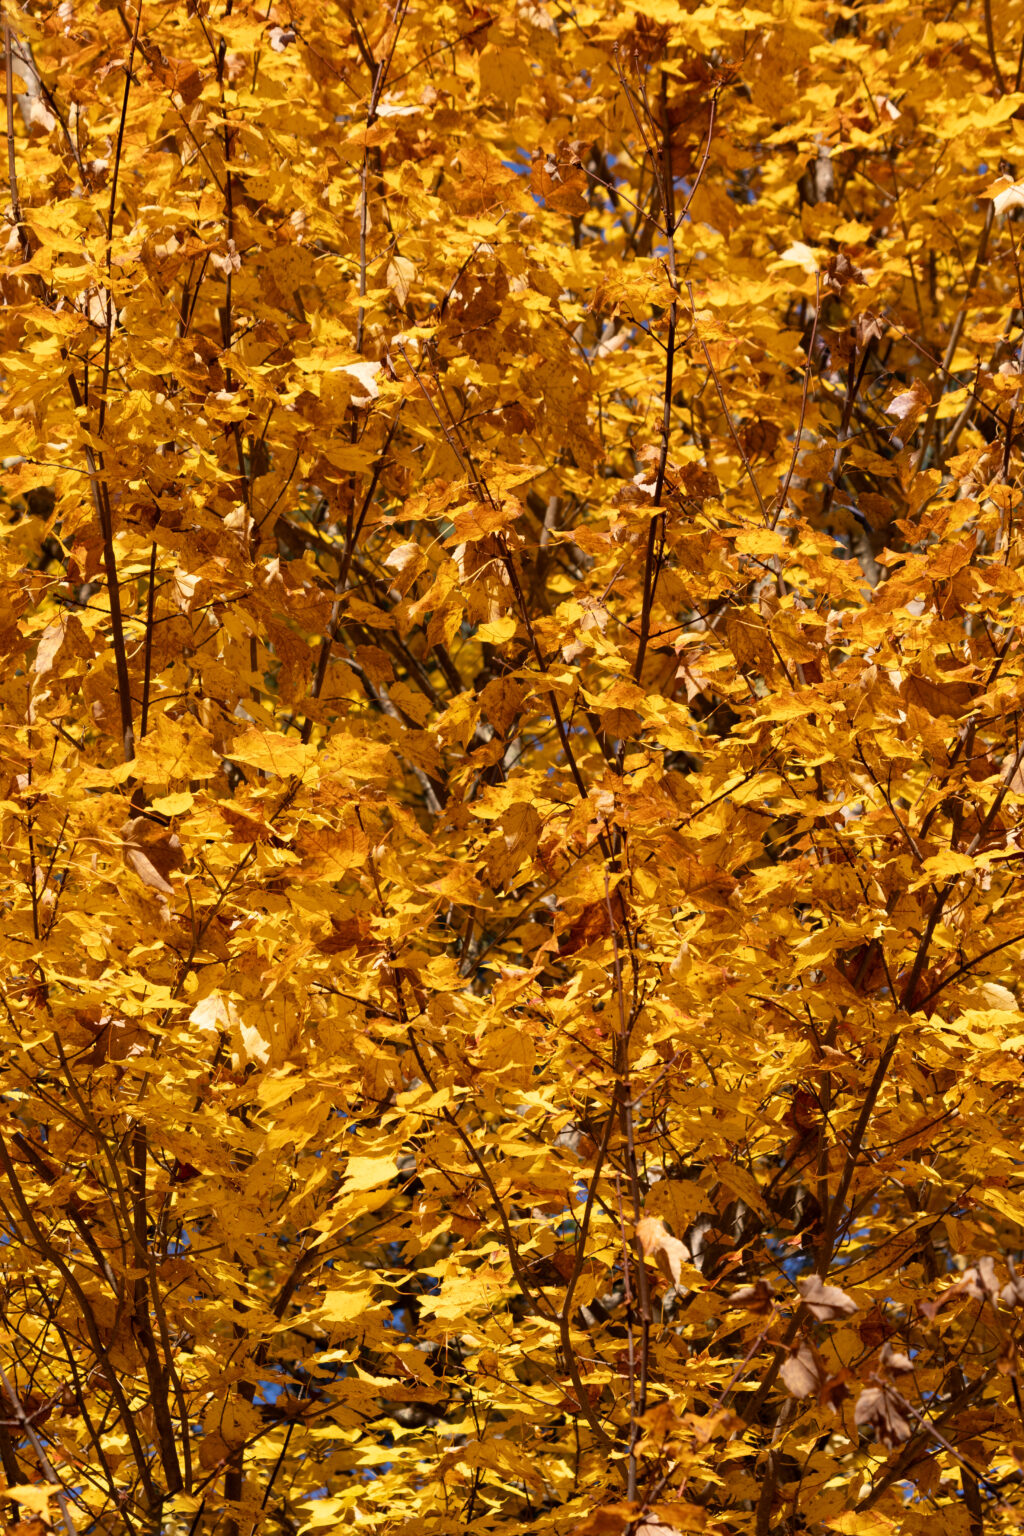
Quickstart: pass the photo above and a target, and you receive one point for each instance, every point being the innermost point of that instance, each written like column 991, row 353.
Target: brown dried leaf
column 834, row 1391
column 756, row 1298
column 152, row 851
column 840, row 271
column 910, row 403
column 975, row 1284
column 560, row 184
column 349, row 933
column 248, row 829
column 657, row 1243
column 802, row 1372
column 1012, row 1294
column 894, row 1361
column 759, row 438
column 591, row 924
column 825, row 1302
column 868, row 327
column 699, row 483
column 881, row 1411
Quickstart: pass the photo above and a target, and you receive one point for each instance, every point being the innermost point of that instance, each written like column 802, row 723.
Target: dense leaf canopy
column 511, row 767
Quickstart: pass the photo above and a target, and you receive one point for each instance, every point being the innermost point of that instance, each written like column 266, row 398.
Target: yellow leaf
column 463, row 1291
column 272, row 752
column 342, row 1306
column 358, row 757
column 498, row 631
column 866, row 1523
column 174, row 805
column 400, row 276
column 944, row 866
column 760, row 542
column 368, row 1173
column 484, row 518
column 34, row 1496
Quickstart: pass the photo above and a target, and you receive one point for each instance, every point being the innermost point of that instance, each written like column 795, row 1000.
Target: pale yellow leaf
column 272, row 752
column 368, row 1173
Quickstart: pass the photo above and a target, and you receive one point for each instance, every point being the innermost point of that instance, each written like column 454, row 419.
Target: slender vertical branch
column 656, row 533
column 147, row 669
column 624, row 1093
column 725, row 408
column 991, row 41
column 957, row 328
column 89, row 1321
column 98, row 481
column 45, row 1464
column 12, row 165
column 838, row 1203
column 798, row 439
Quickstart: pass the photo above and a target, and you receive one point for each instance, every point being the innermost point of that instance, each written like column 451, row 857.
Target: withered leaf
column 591, row 924
column 657, row 1243
column 883, row 1413
column 910, row 403
column 348, row 933
column 756, row 1298
column 868, row 327
column 802, row 1370
column 895, row 1361
column 975, row 1284
column 1012, row 1294
column 826, row 1302
column 248, row 829
column 152, row 851
column 840, row 271
column 834, row 1390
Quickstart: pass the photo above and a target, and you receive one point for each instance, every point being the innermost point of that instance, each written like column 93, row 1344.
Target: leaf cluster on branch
column 511, row 768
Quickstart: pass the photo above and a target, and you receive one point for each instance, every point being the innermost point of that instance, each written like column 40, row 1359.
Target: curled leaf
column 1012, row 1294
column 756, row 1298
column 894, row 1361
column 883, row 1413
column 975, row 1284
column 986, row 1273
column 802, row 1372
column 992, row 995
column 152, row 851
column 400, row 275
column 657, row 1243
column 910, row 403
column 1010, row 197
column 825, row 1302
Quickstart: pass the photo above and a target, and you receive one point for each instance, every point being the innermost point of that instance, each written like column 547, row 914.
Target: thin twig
column 991, row 41
column 12, row 168
column 784, row 493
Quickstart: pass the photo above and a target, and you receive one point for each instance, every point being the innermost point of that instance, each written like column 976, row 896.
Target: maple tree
column 512, row 767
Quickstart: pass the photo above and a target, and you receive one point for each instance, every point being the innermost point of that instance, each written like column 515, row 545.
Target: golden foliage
column 511, row 763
